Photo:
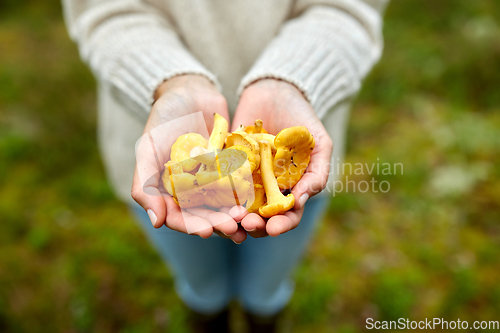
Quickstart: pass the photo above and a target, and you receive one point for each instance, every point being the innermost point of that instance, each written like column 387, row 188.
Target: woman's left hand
column 280, row 105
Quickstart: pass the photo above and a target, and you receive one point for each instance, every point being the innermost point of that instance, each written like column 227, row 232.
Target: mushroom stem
column 219, row 133
column 258, row 126
column 264, row 136
column 277, row 203
column 215, row 142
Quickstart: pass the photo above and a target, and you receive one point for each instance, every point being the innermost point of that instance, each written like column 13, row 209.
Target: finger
column 223, row 223
column 254, row 225
column 145, row 190
column 239, row 236
column 315, row 178
column 202, row 227
column 220, row 221
column 238, row 213
column 186, row 222
column 152, row 201
column 280, row 224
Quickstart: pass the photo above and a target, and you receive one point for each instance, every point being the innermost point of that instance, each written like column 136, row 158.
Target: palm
column 278, row 104
column 186, row 97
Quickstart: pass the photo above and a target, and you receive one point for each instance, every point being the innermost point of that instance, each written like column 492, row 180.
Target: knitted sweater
column 323, row 47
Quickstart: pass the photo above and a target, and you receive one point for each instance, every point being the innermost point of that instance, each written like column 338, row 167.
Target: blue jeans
column 209, row 273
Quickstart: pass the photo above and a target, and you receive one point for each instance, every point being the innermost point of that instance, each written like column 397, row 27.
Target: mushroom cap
column 239, row 138
column 237, row 160
column 223, row 192
column 182, row 147
column 206, row 177
column 218, row 199
column 173, row 168
column 184, row 189
column 202, row 155
column 264, row 136
column 210, row 180
column 294, row 146
column 211, row 199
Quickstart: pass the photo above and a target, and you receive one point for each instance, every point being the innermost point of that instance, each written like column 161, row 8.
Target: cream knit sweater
column 324, row 47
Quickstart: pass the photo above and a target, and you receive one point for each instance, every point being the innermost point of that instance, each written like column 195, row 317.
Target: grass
column 72, row 259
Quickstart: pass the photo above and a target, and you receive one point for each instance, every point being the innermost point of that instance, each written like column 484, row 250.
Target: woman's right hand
column 175, row 98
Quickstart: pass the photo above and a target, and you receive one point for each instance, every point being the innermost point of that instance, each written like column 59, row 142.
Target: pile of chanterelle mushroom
column 247, row 167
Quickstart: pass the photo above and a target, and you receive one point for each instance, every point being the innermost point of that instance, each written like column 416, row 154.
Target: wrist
column 184, row 81
column 275, row 87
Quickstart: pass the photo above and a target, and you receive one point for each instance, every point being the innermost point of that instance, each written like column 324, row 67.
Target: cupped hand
column 180, row 96
column 280, row 105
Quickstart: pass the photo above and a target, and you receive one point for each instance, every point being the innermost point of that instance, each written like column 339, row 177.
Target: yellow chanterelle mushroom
column 264, row 136
column 227, row 192
column 237, row 161
column 182, row 147
column 294, row 146
column 215, row 143
column 222, row 173
column 224, row 177
column 239, row 138
column 219, row 133
column 183, row 187
column 256, row 128
column 259, row 194
column 277, row 203
column 226, row 186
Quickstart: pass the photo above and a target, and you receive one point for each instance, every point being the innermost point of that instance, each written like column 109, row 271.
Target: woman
column 286, row 62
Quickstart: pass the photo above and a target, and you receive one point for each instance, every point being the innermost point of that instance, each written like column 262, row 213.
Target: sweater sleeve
column 130, row 45
column 325, row 50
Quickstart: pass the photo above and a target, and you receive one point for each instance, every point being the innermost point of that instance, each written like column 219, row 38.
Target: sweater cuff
column 138, row 59
column 141, row 72
column 325, row 53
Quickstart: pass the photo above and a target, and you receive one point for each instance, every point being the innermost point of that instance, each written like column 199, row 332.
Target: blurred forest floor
column 72, row 259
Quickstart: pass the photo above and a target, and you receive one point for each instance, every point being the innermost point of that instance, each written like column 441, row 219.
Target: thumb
column 315, row 178
column 152, row 201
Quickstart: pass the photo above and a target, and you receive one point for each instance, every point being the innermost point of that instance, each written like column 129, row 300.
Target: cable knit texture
column 324, row 47
column 324, row 52
column 129, row 45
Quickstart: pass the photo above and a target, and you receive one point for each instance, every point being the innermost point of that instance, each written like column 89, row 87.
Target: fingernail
column 252, row 230
column 152, row 217
column 224, row 233
column 235, row 242
column 303, row 199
